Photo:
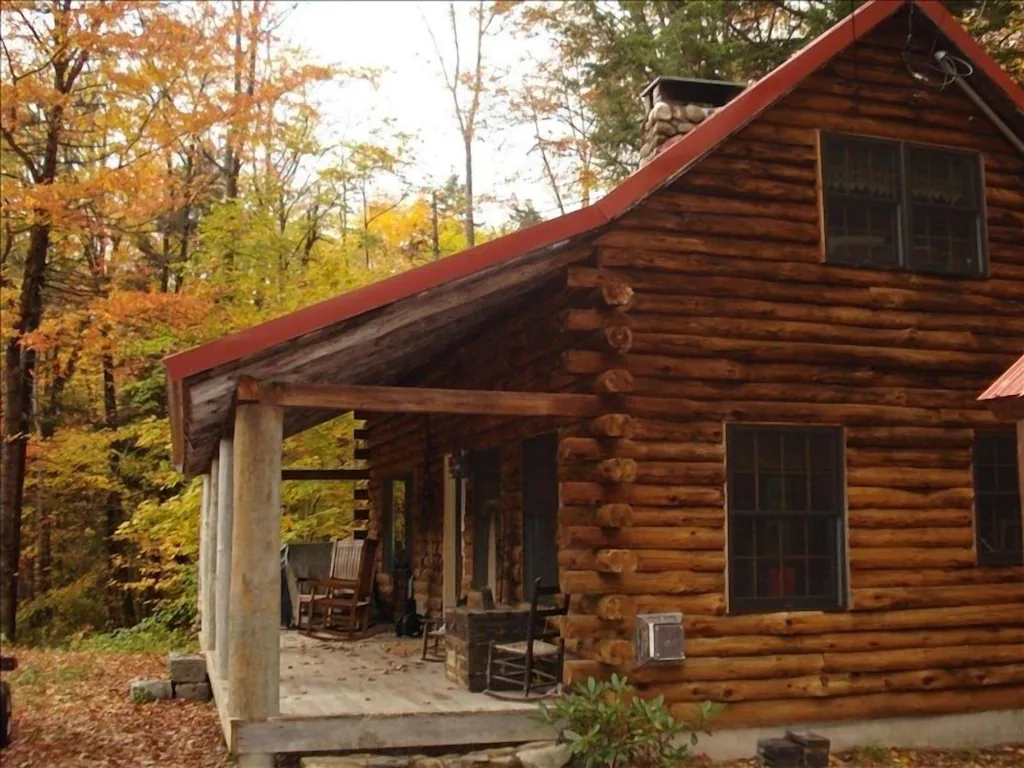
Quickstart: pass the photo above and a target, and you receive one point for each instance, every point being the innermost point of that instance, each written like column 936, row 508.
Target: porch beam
column 325, row 474
column 374, row 399
column 254, row 662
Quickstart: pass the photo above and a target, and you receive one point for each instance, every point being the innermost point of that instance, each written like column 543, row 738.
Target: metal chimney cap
column 692, row 90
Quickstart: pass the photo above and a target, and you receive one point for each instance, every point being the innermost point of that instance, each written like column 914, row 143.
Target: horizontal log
column 896, row 598
column 906, row 458
column 911, row 558
column 749, row 188
column 785, row 263
column 936, row 577
column 810, row 623
column 668, row 583
column 418, row 399
column 667, row 495
column 911, row 537
column 589, row 448
column 618, row 338
column 851, row 414
column 833, row 685
column 900, row 477
column 707, row 370
column 725, row 206
column 733, row 668
column 641, row 560
column 874, row 498
column 325, row 474
column 756, row 307
column 864, row 707
column 656, row 517
column 763, row 289
column 909, row 437
column 652, row 472
column 712, row 232
column 841, row 642
column 636, row 537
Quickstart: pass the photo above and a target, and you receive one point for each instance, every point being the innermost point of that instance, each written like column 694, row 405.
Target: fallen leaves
column 72, row 709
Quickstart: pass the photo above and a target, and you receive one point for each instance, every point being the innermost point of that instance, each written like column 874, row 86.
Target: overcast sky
column 394, row 36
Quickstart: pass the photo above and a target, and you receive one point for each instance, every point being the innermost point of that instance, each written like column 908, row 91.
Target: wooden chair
column 535, row 663
column 342, row 601
column 344, row 564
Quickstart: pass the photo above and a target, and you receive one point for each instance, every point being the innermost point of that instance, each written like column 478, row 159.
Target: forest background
column 168, row 177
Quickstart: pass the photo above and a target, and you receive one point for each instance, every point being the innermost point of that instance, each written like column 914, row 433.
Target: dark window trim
column 903, row 207
column 833, row 603
column 387, row 517
column 1005, row 557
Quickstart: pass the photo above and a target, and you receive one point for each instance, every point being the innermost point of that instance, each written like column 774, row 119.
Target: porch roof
column 383, row 332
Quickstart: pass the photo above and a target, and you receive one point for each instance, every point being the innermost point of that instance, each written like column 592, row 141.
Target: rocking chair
column 342, row 601
column 536, row 663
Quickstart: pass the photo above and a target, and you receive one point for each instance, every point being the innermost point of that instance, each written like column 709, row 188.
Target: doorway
column 540, row 511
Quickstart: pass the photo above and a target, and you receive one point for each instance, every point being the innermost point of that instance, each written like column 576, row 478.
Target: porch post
column 254, row 663
column 209, row 548
column 204, row 584
column 225, row 501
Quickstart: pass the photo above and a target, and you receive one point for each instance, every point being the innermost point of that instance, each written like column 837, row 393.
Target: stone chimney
column 676, row 104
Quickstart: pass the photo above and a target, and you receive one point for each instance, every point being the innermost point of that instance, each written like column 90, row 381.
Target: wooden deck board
column 338, row 695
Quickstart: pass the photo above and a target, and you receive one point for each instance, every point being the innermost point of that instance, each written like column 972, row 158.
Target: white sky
column 394, row 36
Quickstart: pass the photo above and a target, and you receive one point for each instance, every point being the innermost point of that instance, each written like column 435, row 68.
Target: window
column 894, row 205
column 397, row 532
column 785, row 496
column 997, row 499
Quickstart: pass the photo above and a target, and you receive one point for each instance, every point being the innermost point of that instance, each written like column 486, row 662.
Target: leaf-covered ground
column 71, row 709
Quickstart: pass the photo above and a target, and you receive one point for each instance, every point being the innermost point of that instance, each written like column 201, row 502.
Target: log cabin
column 742, row 387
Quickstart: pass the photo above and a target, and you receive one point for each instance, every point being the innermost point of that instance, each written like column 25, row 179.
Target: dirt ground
column 71, row 710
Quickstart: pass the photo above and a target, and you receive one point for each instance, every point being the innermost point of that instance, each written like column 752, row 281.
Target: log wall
column 734, row 317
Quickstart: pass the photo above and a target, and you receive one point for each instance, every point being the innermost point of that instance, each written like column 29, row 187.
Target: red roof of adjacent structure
column 676, row 156
column 1007, row 392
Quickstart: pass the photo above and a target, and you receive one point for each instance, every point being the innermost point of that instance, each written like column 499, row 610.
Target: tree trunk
column 470, row 226
column 19, row 378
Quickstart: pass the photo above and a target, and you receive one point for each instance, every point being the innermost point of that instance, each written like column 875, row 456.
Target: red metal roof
column 1007, row 392
column 675, row 158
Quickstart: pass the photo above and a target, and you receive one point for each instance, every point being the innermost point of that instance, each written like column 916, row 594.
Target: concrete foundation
column 975, row 729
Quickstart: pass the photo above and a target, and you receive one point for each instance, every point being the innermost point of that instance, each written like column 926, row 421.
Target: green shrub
column 154, row 634
column 608, row 726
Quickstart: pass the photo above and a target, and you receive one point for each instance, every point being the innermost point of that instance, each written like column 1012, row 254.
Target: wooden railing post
column 225, row 503
column 254, row 663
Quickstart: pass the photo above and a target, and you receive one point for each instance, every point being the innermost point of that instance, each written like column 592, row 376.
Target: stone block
column 816, row 748
column 330, row 762
column 192, row 691
column 145, row 691
column 554, row 756
column 187, row 668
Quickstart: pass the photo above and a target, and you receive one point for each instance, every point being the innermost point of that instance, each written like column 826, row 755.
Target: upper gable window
column 894, row 205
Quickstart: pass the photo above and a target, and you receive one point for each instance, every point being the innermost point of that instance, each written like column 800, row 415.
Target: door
column 540, row 511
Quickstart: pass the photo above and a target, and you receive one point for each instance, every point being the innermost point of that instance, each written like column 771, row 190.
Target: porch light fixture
column 659, row 638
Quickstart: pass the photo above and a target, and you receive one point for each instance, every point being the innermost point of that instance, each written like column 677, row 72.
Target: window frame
column 904, row 205
column 836, row 602
column 1002, row 557
column 387, row 517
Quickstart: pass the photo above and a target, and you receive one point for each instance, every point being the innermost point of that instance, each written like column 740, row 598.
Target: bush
column 608, row 726
column 154, row 634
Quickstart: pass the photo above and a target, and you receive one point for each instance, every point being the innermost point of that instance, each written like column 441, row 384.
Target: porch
column 370, row 694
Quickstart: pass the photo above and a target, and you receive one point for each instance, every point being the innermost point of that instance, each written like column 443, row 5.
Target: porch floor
column 381, row 675
column 373, row 693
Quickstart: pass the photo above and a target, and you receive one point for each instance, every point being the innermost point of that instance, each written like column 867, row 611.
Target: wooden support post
column 204, row 585
column 209, row 546
column 254, row 662
column 225, row 501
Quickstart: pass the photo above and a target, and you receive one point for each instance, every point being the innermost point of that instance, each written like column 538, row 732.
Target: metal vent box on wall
column 659, row 638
